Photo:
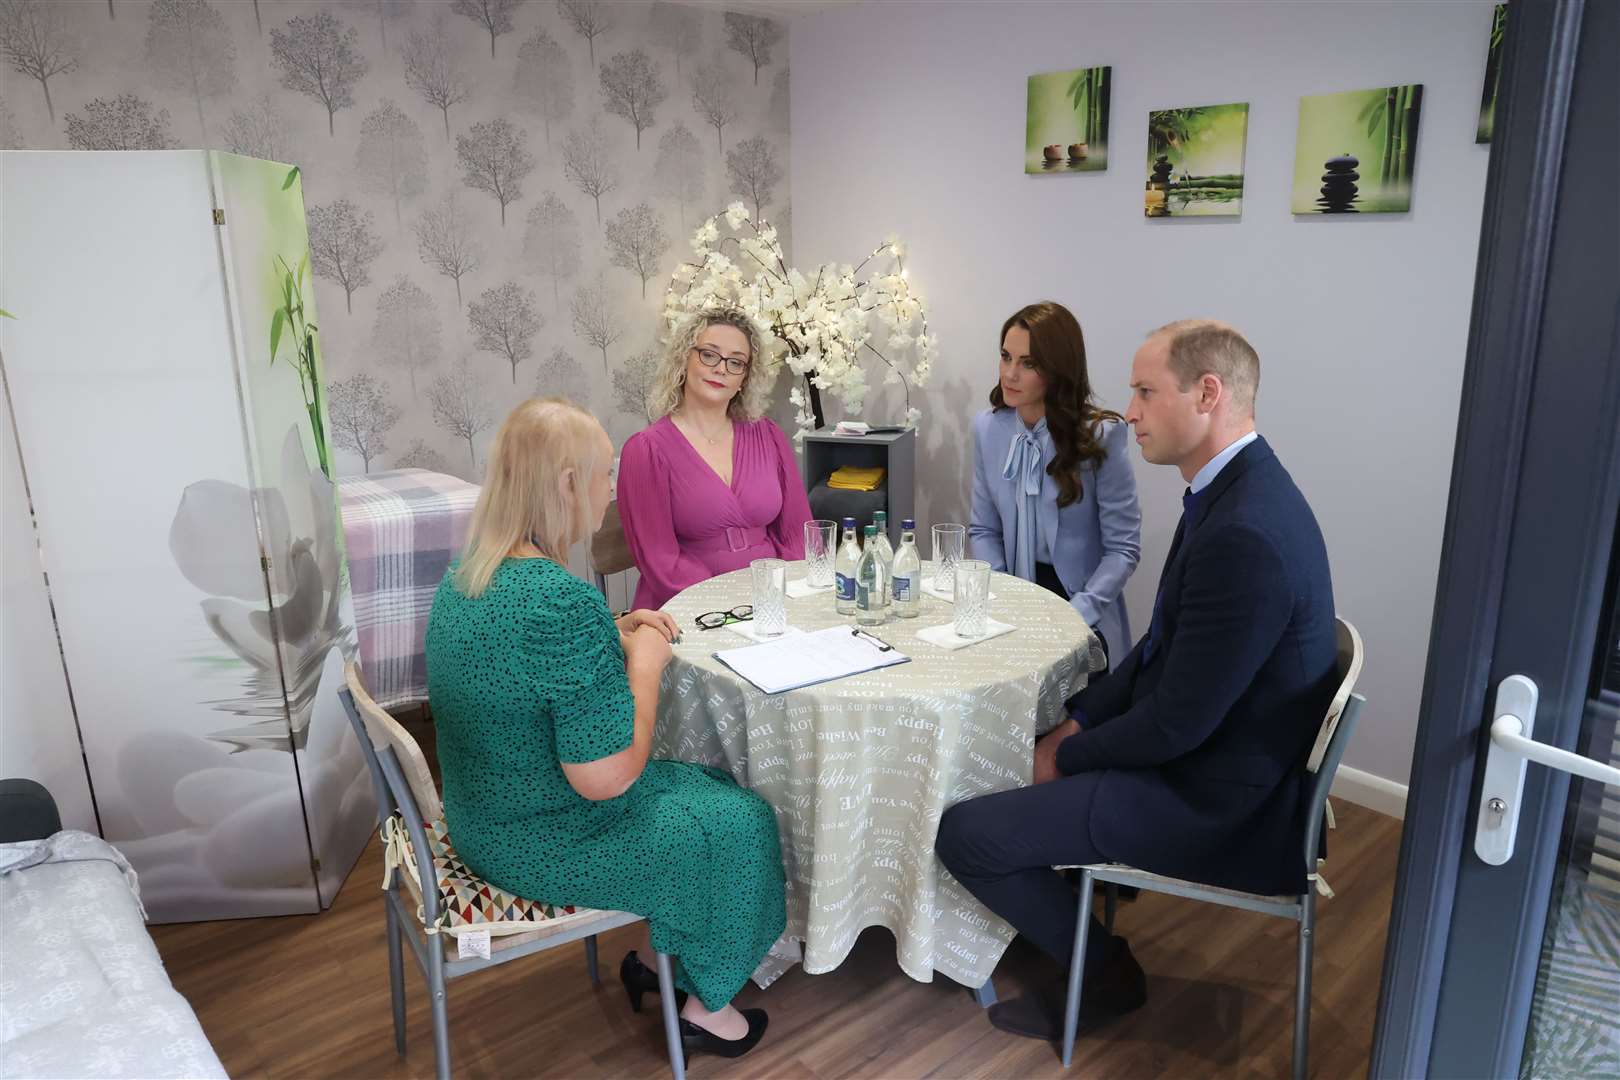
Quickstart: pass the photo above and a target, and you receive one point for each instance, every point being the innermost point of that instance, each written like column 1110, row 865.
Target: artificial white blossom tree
column 824, row 327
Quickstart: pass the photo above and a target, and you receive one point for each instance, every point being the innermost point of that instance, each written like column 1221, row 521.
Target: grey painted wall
column 381, row 163
column 910, row 118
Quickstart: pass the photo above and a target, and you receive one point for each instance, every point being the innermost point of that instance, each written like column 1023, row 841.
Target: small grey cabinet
column 895, row 452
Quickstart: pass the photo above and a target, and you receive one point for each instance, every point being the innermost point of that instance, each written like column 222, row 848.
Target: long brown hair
column 1058, row 350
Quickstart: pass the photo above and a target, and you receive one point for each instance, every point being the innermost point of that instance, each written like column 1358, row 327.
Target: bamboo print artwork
column 1356, row 152
column 1195, row 161
column 1493, row 75
column 1066, row 121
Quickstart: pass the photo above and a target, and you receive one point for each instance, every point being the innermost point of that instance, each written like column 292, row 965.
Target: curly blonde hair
column 669, row 383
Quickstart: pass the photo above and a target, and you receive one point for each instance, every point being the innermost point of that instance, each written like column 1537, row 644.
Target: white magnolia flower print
column 283, row 620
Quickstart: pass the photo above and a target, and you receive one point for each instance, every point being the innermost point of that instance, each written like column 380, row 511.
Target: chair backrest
column 1322, row 782
column 1349, row 670
column 610, row 552
column 383, row 732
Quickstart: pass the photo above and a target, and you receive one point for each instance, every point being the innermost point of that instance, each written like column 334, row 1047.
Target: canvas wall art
column 1493, row 75
column 1066, row 121
column 1195, row 161
column 1355, row 151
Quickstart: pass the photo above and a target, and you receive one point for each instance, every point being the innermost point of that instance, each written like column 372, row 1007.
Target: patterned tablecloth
column 401, row 529
column 859, row 770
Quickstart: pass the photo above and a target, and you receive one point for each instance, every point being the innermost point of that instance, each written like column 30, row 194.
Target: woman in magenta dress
column 713, row 485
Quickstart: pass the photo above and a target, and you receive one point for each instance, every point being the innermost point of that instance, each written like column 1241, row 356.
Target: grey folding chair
column 610, row 551
column 1323, row 762
column 407, row 804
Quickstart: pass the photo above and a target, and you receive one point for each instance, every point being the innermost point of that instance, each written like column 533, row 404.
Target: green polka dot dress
column 531, row 674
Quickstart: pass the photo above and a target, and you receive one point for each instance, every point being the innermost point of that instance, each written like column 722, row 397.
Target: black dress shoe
column 1032, row 1016
column 639, row 979
column 1120, row 987
column 701, row 1040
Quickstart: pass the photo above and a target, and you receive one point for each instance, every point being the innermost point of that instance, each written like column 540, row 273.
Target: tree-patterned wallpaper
column 497, row 190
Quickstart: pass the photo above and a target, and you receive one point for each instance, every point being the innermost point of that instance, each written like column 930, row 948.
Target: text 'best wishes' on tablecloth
column 860, row 769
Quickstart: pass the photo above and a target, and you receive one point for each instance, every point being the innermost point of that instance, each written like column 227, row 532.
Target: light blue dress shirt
column 1212, row 468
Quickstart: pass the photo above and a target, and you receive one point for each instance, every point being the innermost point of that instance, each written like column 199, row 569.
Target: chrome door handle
column 1497, row 821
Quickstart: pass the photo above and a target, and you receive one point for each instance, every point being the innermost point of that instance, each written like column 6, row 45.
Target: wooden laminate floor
column 307, row 996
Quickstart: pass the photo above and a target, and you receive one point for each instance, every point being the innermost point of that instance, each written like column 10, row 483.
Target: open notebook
column 796, row 660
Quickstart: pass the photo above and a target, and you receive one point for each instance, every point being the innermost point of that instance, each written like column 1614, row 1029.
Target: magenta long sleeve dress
column 684, row 525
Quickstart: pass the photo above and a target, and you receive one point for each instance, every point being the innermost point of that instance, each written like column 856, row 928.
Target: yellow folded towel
column 852, row 478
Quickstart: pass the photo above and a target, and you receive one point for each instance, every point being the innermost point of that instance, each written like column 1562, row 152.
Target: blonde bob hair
column 669, row 382
column 536, row 488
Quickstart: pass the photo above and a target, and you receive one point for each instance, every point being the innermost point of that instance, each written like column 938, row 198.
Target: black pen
column 882, row 645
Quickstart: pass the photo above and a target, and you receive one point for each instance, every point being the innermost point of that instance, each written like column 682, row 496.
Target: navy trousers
column 1002, row 848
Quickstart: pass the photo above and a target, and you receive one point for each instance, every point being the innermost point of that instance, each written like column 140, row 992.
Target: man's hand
column 662, row 621
column 1046, row 750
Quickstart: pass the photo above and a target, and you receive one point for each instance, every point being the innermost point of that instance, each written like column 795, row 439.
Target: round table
column 860, row 769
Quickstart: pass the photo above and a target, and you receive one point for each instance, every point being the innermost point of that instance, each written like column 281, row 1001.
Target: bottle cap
column 908, row 523
column 871, row 530
column 880, row 515
column 849, row 523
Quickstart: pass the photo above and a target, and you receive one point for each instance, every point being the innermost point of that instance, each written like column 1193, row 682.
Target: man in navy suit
column 1188, row 759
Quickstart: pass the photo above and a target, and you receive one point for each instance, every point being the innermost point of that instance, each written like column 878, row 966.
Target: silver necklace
column 710, row 439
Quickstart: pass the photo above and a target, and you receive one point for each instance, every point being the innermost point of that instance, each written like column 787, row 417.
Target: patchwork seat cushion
column 468, row 903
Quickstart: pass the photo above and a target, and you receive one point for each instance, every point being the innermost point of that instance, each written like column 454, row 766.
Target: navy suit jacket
column 1203, row 745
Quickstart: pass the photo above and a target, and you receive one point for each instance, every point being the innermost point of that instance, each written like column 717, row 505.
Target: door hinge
column 315, row 865
column 264, row 563
column 219, row 216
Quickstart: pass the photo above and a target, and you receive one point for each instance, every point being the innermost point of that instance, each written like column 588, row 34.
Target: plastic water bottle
column 871, row 583
column 849, row 554
column 885, row 549
column 907, row 574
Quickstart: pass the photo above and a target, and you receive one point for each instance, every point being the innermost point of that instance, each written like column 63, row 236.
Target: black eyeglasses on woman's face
column 713, row 620
column 735, row 365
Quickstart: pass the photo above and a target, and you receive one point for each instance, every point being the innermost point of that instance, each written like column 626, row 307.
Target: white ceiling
column 776, row 9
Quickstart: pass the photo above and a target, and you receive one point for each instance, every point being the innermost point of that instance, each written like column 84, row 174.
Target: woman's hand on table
column 632, row 621
column 646, row 649
column 1046, row 751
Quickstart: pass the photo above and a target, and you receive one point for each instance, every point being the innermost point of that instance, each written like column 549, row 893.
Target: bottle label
column 904, row 589
column 846, row 587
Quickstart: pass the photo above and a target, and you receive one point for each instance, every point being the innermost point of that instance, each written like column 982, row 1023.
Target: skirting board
column 1373, row 792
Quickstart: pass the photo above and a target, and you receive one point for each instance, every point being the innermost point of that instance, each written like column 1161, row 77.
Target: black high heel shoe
column 700, row 1040
column 639, row 979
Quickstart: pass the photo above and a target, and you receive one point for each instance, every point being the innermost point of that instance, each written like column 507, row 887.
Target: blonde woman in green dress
column 544, row 707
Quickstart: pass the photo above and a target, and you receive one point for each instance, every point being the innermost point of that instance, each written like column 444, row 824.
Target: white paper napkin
column 801, row 588
column 932, row 588
column 748, row 630
column 945, row 637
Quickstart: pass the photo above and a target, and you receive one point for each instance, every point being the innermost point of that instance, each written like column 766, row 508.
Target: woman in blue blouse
column 1054, row 498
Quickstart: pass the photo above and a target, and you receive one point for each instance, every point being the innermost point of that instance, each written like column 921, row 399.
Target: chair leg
column 1077, row 966
column 396, row 974
column 1110, row 903
column 1302, row 1000
column 672, row 1026
column 985, row 996
column 590, row 960
column 441, row 1011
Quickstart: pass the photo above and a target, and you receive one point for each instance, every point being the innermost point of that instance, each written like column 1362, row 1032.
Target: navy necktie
column 1189, row 507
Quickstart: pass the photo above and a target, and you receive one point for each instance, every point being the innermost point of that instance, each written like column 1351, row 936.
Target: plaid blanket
column 402, row 528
